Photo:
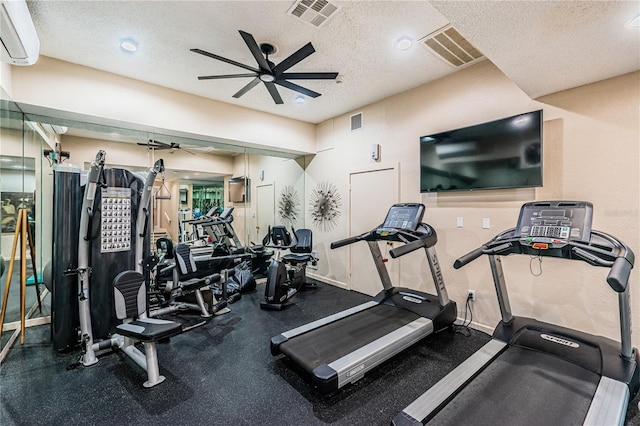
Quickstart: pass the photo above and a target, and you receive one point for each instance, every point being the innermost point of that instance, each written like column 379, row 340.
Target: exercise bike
column 287, row 274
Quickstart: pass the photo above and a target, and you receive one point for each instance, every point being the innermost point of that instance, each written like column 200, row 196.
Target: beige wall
column 68, row 87
column 84, row 150
column 591, row 152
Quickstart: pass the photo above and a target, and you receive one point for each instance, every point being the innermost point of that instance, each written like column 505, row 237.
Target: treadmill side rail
column 440, row 393
column 353, row 366
column 324, row 321
column 609, row 405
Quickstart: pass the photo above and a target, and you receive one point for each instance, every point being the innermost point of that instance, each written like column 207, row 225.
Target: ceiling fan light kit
column 269, row 73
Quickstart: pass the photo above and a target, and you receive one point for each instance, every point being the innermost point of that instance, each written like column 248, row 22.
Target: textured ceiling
column 543, row 47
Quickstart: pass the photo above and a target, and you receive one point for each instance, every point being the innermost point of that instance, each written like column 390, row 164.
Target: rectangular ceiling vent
column 313, row 12
column 356, row 121
column 450, row 46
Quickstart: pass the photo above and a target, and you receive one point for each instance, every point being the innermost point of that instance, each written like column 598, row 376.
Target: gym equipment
column 287, row 274
column 225, row 242
column 187, row 279
column 167, row 290
column 341, row 348
column 130, row 306
column 67, row 199
column 110, row 240
column 533, row 372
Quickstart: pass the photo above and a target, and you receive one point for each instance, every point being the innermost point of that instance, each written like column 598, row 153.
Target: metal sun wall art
column 288, row 205
column 325, row 203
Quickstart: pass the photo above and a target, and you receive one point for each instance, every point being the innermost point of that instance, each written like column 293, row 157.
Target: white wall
column 73, row 88
column 591, row 152
column 280, row 172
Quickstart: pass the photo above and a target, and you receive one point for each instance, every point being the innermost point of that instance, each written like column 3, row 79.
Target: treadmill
column 341, row 348
column 533, row 372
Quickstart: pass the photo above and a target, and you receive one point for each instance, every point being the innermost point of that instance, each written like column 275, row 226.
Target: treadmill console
column 555, row 221
column 406, row 217
column 226, row 212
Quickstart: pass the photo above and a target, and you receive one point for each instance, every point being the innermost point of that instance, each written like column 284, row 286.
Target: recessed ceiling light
column 299, row 99
column 634, row 23
column 129, row 45
column 404, row 43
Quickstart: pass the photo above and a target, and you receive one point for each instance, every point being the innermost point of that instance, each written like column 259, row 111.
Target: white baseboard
column 327, row 280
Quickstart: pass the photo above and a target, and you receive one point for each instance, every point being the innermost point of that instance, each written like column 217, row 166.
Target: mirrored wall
column 25, row 188
column 200, row 179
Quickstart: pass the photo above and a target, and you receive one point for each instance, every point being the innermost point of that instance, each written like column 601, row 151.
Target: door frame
column 257, row 208
column 361, row 170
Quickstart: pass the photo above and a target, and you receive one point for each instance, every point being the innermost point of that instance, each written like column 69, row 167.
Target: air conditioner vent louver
column 449, row 45
column 356, row 121
column 313, row 12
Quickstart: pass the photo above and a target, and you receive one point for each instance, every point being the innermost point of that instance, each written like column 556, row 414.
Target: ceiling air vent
column 449, row 45
column 356, row 121
column 314, row 12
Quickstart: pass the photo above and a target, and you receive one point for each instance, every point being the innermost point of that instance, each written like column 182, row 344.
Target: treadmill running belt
column 334, row 340
column 520, row 387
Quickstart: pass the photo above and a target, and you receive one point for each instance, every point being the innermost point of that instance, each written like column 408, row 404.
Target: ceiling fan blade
column 296, row 57
column 255, row 50
column 253, row 83
column 189, row 151
column 220, row 58
column 297, row 88
column 308, row 75
column 215, row 77
column 154, row 144
column 273, row 91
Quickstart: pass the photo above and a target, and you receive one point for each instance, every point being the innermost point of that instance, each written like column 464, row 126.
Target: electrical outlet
column 313, row 264
column 471, row 295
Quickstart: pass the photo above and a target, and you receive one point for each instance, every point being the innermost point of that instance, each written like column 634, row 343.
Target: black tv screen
column 505, row 153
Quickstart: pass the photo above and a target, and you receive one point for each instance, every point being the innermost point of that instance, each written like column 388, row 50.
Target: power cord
column 464, row 327
column 531, row 259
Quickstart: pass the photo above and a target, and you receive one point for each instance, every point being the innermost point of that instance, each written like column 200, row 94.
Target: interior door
column 366, row 212
column 265, row 211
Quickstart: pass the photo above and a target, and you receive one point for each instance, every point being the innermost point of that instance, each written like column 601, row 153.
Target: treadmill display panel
column 562, row 220
column 403, row 216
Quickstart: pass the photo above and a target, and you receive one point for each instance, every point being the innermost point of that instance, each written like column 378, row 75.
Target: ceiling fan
column 157, row 145
column 268, row 72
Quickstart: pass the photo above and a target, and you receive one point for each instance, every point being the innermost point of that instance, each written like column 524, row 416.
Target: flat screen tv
column 238, row 190
column 505, row 153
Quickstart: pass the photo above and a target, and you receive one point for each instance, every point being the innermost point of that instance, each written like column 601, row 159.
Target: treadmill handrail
column 619, row 259
column 350, row 240
column 407, row 248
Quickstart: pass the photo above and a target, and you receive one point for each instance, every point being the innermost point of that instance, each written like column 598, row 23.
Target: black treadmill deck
column 333, row 341
column 522, row 386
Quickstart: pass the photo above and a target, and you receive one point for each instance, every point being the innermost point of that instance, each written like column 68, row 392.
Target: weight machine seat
column 187, row 272
column 130, row 302
column 294, row 258
column 301, row 252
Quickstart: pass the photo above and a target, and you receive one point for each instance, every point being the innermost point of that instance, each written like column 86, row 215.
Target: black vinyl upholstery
column 131, row 302
column 184, row 259
column 301, row 252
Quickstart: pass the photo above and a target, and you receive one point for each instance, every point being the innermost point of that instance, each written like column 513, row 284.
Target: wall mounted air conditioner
column 20, row 44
